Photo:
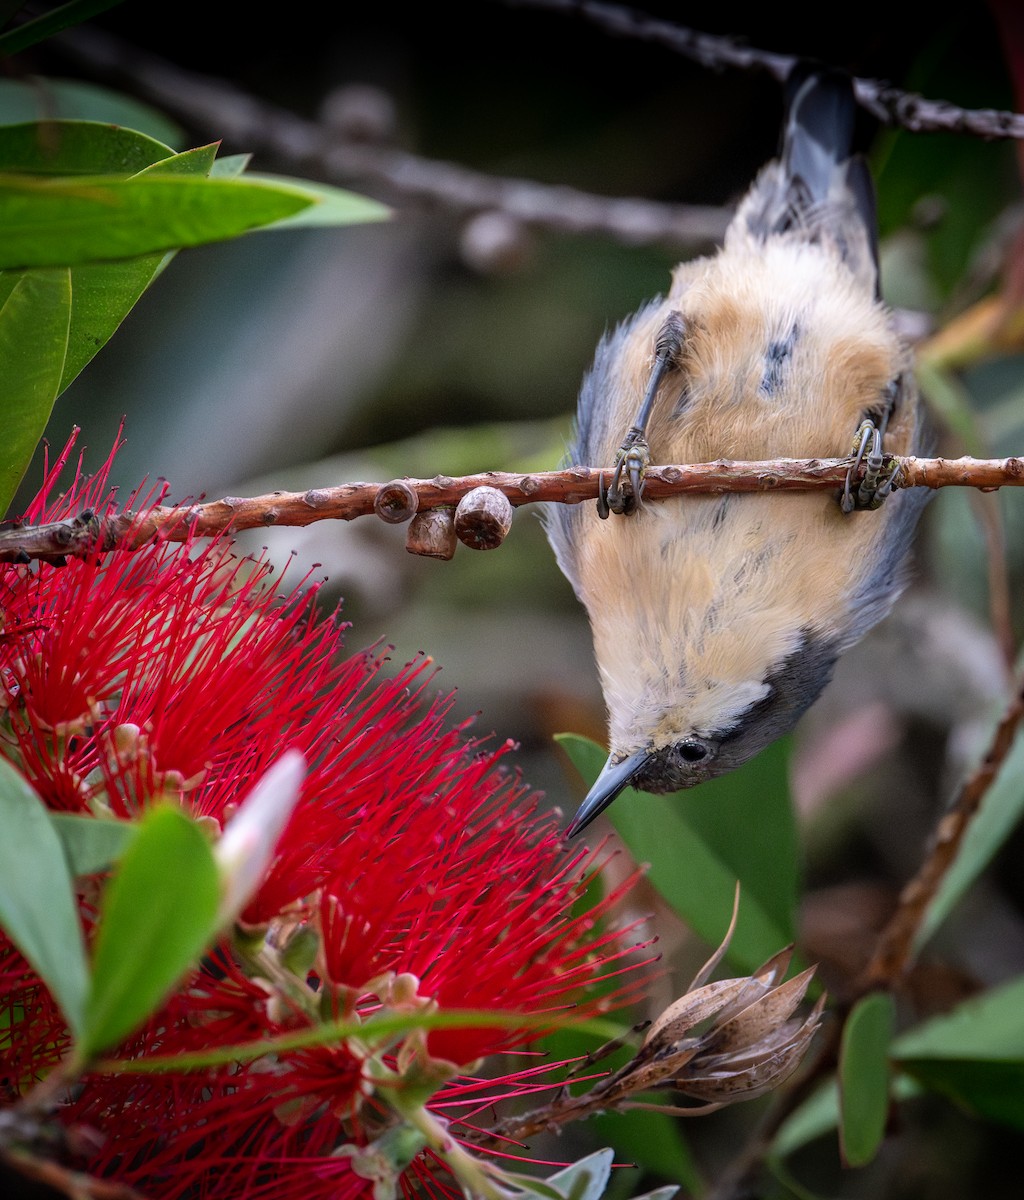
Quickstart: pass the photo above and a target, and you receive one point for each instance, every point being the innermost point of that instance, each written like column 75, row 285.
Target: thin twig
column 566, row 1109
column 87, row 534
column 889, row 104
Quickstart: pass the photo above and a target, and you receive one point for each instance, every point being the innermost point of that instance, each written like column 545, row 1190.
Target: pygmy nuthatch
column 717, row 619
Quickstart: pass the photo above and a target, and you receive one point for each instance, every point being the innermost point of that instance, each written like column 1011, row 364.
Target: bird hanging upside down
column 717, row 619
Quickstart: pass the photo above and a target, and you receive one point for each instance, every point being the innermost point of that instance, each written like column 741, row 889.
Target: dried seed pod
column 432, row 533
column 395, row 502
column 759, row 1018
column 690, row 1010
column 749, row 1071
column 483, row 518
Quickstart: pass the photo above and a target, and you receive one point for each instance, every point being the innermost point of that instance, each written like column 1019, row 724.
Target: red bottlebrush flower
column 416, row 874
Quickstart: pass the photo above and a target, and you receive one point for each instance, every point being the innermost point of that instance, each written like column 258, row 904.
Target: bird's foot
column 879, row 479
column 625, row 493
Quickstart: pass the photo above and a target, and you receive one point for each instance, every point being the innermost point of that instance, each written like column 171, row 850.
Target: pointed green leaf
column 102, row 294
column 158, row 914
column 34, row 326
column 687, row 872
column 335, row 206
column 37, row 902
column 46, row 222
column 864, row 1078
column 198, row 161
column 91, row 844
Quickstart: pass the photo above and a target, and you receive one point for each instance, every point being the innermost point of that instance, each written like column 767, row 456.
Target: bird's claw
column 625, row 493
column 877, row 482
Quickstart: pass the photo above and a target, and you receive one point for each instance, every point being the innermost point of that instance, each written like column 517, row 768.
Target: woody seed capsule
column 483, row 518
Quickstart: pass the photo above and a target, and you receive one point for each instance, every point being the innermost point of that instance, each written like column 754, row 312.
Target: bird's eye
column 693, row 751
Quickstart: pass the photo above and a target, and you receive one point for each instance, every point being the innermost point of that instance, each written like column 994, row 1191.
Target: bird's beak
column 613, row 778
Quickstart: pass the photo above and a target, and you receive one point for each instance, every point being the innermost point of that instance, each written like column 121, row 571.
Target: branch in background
column 889, row 104
column 485, row 522
column 322, row 149
column 348, row 157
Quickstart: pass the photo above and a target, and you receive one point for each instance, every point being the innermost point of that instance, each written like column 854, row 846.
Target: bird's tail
column 817, row 188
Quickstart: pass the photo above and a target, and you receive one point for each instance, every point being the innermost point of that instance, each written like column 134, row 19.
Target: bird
column 717, row 620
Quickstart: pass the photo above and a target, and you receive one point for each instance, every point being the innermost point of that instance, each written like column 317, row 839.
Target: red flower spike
column 420, row 871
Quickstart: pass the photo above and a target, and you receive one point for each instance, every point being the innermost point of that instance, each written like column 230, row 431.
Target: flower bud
column 246, row 847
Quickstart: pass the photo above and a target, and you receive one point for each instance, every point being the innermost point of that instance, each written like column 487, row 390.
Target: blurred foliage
column 314, row 357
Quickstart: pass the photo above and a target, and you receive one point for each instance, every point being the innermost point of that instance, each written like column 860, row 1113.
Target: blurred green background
column 423, row 346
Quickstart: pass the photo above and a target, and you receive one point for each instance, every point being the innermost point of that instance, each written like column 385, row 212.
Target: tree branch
column 87, row 533
column 889, row 104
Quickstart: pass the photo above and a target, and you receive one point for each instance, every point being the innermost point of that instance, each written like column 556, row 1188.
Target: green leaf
column 864, row 1078
column 746, row 818
column 91, row 844
column 586, row 1179
column 198, row 161
column 690, row 874
column 583, row 1180
column 973, row 1055
column 37, row 902
column 158, row 914
column 102, row 294
column 75, row 100
column 76, row 148
column 997, row 816
column 987, row 1026
column 46, row 222
column 993, row 1089
column 231, row 165
column 335, row 206
column 34, row 326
